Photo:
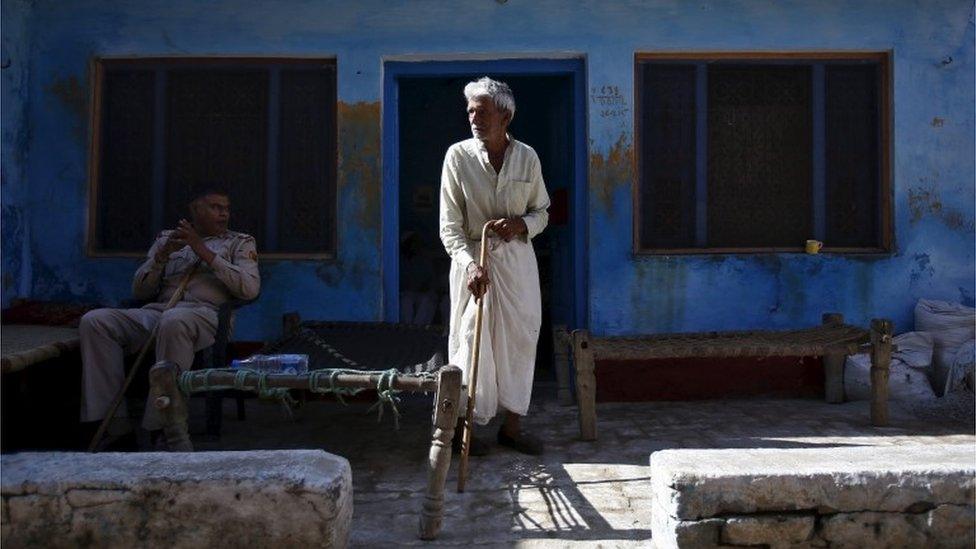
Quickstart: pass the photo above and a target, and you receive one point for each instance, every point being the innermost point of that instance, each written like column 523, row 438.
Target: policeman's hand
column 186, row 231
column 509, row 228
column 477, row 280
column 172, row 244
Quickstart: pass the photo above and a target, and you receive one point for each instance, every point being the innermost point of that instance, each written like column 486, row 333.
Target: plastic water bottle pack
column 274, row 364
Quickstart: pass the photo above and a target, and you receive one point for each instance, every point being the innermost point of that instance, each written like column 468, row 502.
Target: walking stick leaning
column 177, row 296
column 473, row 370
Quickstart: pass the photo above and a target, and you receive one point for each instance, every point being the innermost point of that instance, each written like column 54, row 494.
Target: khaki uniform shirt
column 234, row 272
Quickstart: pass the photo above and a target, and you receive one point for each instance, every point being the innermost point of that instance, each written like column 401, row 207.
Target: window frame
column 97, row 71
column 885, row 141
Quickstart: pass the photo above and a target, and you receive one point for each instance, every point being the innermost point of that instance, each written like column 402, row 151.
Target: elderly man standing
column 494, row 177
column 222, row 264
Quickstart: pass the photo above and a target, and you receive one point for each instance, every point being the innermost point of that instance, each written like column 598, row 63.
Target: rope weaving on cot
column 808, row 341
column 322, row 381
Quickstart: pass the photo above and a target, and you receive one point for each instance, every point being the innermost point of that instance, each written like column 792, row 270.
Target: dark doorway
column 431, row 118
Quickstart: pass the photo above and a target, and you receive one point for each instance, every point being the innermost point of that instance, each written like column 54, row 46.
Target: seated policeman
column 226, row 266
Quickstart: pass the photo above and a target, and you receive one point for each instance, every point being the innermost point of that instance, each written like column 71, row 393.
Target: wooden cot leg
column 446, row 402
column 165, row 395
column 881, row 330
column 833, row 365
column 834, row 377
column 585, row 384
column 560, row 358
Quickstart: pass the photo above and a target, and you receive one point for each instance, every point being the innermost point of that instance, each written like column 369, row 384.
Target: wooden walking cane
column 473, row 378
column 177, row 295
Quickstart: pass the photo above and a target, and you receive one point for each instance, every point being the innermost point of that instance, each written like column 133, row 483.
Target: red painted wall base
column 706, row 378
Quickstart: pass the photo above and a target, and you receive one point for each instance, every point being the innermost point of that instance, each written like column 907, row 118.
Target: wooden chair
column 215, row 356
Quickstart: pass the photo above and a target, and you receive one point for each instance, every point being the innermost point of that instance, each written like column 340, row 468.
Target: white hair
column 499, row 92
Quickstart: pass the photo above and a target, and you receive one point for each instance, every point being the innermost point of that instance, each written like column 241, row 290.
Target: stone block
column 670, row 533
column 771, row 530
column 674, row 534
column 695, row 484
column 856, row 530
column 288, row 498
column 953, row 522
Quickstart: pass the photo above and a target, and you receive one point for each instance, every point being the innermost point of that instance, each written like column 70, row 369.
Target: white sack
column 961, row 372
column 951, row 326
column 908, row 379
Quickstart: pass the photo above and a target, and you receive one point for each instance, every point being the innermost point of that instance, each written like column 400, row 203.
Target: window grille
column 263, row 129
column 761, row 152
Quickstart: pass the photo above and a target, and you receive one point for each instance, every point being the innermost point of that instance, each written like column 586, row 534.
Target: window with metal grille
column 740, row 153
column 263, row 129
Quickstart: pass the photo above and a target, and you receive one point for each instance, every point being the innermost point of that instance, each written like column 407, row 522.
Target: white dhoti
column 510, row 328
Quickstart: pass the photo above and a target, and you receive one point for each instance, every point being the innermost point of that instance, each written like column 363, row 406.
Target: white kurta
column 471, row 194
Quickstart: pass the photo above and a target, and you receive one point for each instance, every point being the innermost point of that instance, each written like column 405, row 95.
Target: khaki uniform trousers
column 107, row 335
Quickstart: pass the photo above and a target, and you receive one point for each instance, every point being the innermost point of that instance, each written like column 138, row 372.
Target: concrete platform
column 294, row 498
column 895, row 496
column 578, row 494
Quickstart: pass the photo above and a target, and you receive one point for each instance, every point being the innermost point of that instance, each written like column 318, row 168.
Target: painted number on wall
column 608, row 101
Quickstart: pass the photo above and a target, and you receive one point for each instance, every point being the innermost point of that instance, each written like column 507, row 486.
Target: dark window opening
column 265, row 130
column 852, row 155
column 761, row 154
column 669, row 157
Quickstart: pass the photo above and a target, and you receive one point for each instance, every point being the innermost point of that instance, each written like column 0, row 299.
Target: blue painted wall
column 47, row 47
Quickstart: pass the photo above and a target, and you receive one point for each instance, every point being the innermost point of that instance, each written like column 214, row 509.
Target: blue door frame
column 392, row 72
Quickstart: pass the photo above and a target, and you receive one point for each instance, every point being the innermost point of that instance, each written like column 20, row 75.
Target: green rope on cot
column 333, row 374
column 239, row 379
column 186, row 385
column 183, row 381
column 387, row 395
column 186, row 379
column 270, row 393
column 315, row 378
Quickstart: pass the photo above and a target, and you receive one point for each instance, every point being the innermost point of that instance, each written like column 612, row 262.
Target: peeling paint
column 610, row 172
column 59, row 285
column 359, row 157
column 924, row 202
column 923, row 267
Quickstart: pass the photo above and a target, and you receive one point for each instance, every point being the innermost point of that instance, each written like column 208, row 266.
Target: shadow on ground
column 577, row 493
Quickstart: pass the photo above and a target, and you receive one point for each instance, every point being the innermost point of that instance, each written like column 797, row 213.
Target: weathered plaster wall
column 15, row 273
column 933, row 145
